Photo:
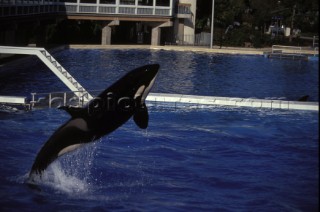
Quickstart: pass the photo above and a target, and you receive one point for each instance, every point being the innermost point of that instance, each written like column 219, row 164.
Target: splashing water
column 61, row 181
column 71, row 173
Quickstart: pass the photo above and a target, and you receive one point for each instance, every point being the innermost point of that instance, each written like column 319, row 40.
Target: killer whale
column 102, row 115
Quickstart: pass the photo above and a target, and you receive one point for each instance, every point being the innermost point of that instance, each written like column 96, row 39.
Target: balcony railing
column 29, row 7
column 183, row 11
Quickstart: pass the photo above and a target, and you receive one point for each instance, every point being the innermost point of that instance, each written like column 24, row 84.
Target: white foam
column 56, row 178
column 71, row 173
column 8, row 109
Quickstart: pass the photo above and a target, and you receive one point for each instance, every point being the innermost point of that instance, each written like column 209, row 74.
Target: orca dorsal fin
column 73, row 111
column 141, row 116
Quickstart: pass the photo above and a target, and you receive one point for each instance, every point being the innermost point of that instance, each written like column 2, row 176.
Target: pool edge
column 232, row 101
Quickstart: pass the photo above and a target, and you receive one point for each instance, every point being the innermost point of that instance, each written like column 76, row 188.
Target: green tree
column 254, row 17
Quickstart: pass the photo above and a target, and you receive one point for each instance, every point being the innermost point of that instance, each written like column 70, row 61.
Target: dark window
column 107, row 1
column 162, row 2
column 128, row 2
column 88, row 1
column 71, row 1
column 146, row 2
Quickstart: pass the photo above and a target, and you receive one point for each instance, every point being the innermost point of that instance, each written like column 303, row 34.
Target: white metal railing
column 28, row 2
column 30, row 7
column 53, row 65
column 118, row 9
column 200, row 39
column 56, row 99
column 316, row 51
column 186, row 39
column 107, row 9
column 278, row 49
column 315, row 41
column 184, row 9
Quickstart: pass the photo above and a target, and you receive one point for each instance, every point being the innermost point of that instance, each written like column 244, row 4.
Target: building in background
column 153, row 22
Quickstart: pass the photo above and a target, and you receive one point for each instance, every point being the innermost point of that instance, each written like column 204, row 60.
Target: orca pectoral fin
column 141, row 117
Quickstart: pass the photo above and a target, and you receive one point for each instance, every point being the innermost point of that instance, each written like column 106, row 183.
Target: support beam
column 106, row 35
column 155, row 36
column 106, row 32
column 156, row 32
column 180, row 32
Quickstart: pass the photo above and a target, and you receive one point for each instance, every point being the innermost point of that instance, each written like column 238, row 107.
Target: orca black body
column 104, row 114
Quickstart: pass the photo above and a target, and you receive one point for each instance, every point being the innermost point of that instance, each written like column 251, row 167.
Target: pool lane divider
column 180, row 99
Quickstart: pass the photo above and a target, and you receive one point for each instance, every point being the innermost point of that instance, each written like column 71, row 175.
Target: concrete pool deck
column 225, row 50
column 215, row 49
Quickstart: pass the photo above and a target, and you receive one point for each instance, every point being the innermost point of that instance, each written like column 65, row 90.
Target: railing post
column 78, row 6
column 117, row 6
column 32, row 100
column 64, row 99
column 136, row 7
column 98, row 5
column 79, row 103
column 49, row 100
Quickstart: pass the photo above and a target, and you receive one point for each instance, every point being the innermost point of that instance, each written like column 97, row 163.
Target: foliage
column 254, row 17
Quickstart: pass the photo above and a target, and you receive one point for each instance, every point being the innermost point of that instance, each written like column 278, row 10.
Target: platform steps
column 54, row 66
column 84, row 94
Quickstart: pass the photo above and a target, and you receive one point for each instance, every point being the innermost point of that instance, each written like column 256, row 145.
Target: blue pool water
column 181, row 72
column 189, row 158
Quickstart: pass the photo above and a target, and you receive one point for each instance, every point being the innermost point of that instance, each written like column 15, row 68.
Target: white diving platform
column 51, row 100
column 15, row 101
column 286, row 52
column 179, row 99
column 53, row 65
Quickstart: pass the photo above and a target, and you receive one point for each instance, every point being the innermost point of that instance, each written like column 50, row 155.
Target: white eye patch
column 139, row 91
column 69, row 149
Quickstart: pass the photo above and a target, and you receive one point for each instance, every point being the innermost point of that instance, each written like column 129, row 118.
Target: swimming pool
column 210, row 158
column 181, row 72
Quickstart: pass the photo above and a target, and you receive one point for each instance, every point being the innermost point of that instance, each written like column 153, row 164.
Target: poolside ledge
column 230, row 101
column 204, row 49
